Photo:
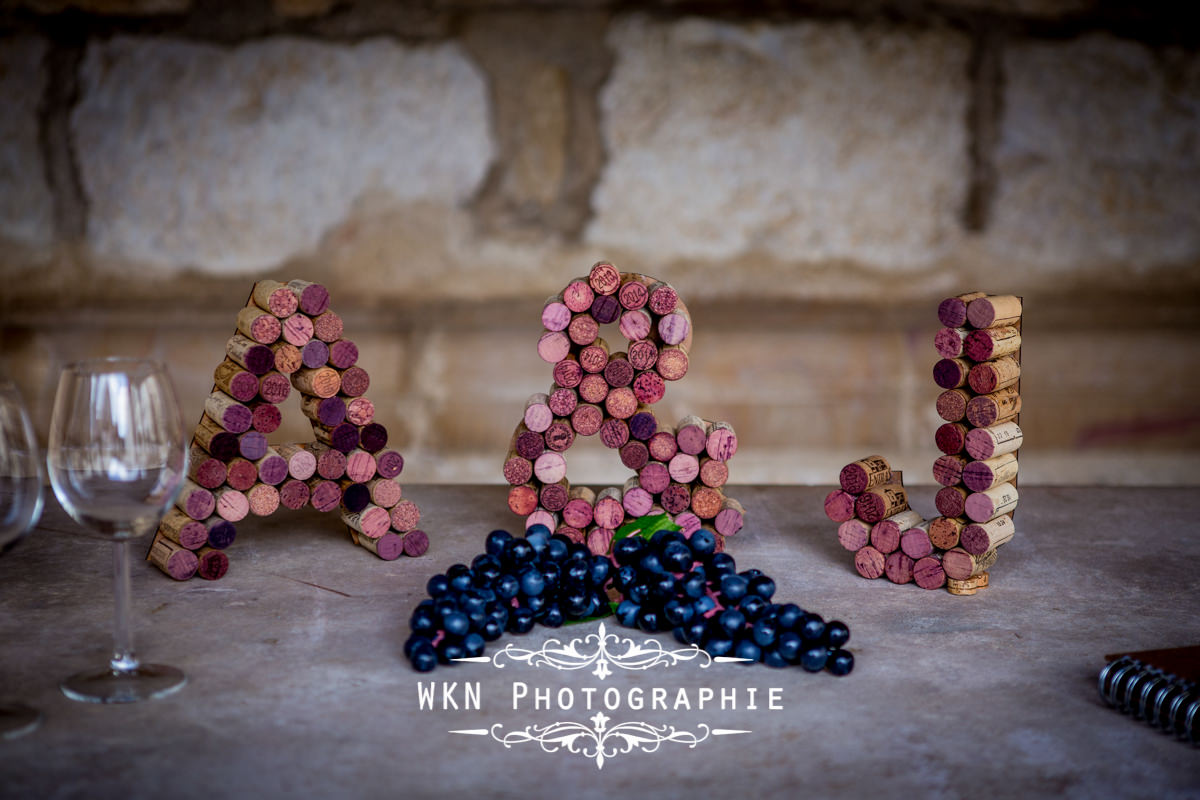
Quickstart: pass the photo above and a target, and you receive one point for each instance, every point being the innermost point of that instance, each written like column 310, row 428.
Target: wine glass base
column 108, row 685
column 17, row 719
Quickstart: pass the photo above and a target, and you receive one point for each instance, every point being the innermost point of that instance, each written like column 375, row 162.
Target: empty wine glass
column 116, row 459
column 20, row 508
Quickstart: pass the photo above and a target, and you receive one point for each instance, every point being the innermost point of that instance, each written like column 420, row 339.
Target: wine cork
column 866, row 473
column 183, row 530
column 951, row 501
column 928, row 573
column 559, row 436
column 722, row 442
column 578, row 511
column 898, row 567
column 586, row 419
column 634, row 455
column 880, row 502
column 952, row 404
column 252, row 445
column 614, row 433
column 415, row 543
column 994, row 311
column 205, row 470
column 583, row 330
column 987, row 505
column 272, row 468
column 688, row 523
column 618, row 371
column 608, row 510
column 221, row 532
column 675, row 327
column 593, row 389
column 730, row 518
column 869, row 562
column 636, row 500
column 227, row 412
column 177, row 562
column 301, row 463
column 328, row 327
column 683, row 468
column 961, row 565
column 952, row 312
column 298, row 330
column 360, row 466
column 621, row 403
column 578, row 295
column 691, row 435
column 567, row 375
column 998, row 440
column 194, row 500
column 321, row 382
column 275, row 297
column 538, row 415
column 713, row 473
column 231, row 505
column 677, row 497
column 563, row 401
column 294, row 493
column 373, row 437
column 968, row 587
column 643, row 354
column 604, row 278
column 265, row 417
column 258, row 325
column 405, row 516
column 951, row 438
column 949, row 342
column 331, row 463
column 313, row 298
column 314, row 353
column 839, row 505
column 343, row 353
column 385, row 492
column 324, row 495
column 553, row 496
column 598, row 540
column 344, row 437
column 951, row 373
column 553, row 346
column 635, row 325
column 274, row 387
column 915, row 542
column 982, row 579
column 605, row 309
column 663, row 298
column 212, row 564
column 662, row 444
column 706, row 502
column 885, row 534
column 854, row 534
column 389, row 546
column 990, row 343
column 355, row 496
column 360, row 411
column 263, row 499
column 979, row 476
column 371, row 522
column 241, row 474
column 355, row 381
column 654, row 477
column 944, row 532
column 979, row 538
column 948, row 470
column 257, row 358
column 991, row 376
column 555, row 314
column 288, row 357
column 633, row 293
column 235, row 380
column 389, row 463
column 672, row 363
column 649, row 387
column 994, row 409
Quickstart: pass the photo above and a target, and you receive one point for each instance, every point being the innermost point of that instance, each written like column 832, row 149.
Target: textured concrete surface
column 298, row 685
column 26, row 207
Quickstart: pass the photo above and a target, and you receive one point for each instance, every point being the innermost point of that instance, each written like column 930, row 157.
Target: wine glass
column 20, row 508
column 116, row 459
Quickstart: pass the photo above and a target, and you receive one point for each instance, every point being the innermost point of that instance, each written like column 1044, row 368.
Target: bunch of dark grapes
column 668, row 582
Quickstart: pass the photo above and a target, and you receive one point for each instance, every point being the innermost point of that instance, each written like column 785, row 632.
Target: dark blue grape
column 578, row 552
column 703, row 543
column 517, row 553
column 532, row 582
column 751, row 574
column 703, row 605
column 424, row 620
column 731, row 621
column 721, row 564
column 813, row 658
column 677, row 611
column 477, row 619
column 558, row 547
column 538, row 537
column 535, row 603
column 650, row 562
column 627, row 613
column 495, row 542
column 718, row 645
column 639, row 592
column 507, row 587
column 445, row 605
column 473, row 601
column 662, row 586
column 837, row 633
column 733, row 589
column 449, row 649
column 437, row 585
column 461, row 577
column 628, row 550
column 765, row 633
column 789, row 614
column 486, row 567
column 499, row 612
column 648, row 620
column 697, row 630
column 492, row 629
column 746, row 648
column 456, row 623
column 812, row 627
column 762, row 586
column 676, row 557
column 473, row 644
column 600, row 567
column 773, row 658
column 520, row 620
column 693, row 584
column 841, row 662
column 574, row 598
column 415, row 641
column 577, row 570
column 789, row 645
column 424, row 658
column 552, row 616
column 624, row 577
column 551, row 574
column 754, row 607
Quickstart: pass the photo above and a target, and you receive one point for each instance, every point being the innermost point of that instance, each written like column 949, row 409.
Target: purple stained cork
column 618, row 372
column 415, row 542
column 951, row 373
column 298, row 329
column 691, row 436
column 606, row 308
column 356, row 497
column 315, row 353
column 637, row 502
column 643, row 425
column 869, row 562
column 562, row 402
column 274, row 387
column 325, row 495
column 654, row 477
column 633, row 294
column 951, row 438
column 390, row 546
column 213, row 564
column 331, row 411
column 928, row 573
column 559, row 436
column 553, row 346
column 259, row 359
column 677, row 497
column 634, row 455
column 272, row 469
column 265, row 417
column 950, row 342
column 555, row 315
column 252, row 445
column 373, row 437
column 839, row 506
column 951, row 501
column 530, row 445
column 663, row 299
column 614, row 433
column 643, row 355
column 898, row 567
column 553, row 496
column 294, row 494
column 389, row 463
column 243, row 386
column 722, row 442
column 355, row 381
column 853, row 534
column 344, row 437
column 673, row 328
column 313, row 298
column 343, row 354
column 916, row 544
column 568, row 372
column 360, row 411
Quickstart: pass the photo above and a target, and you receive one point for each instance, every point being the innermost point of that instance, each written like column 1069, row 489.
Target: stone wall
column 812, row 178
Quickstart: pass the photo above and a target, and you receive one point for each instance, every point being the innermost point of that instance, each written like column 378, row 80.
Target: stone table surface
column 298, row 686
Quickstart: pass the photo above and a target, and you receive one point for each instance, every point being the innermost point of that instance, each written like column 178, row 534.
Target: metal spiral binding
column 1161, row 699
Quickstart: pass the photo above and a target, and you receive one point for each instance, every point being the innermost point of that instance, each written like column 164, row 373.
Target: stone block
column 231, row 160
column 811, row 142
column 26, row 205
column 1098, row 158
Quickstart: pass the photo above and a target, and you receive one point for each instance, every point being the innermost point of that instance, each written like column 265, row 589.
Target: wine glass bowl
column 116, row 460
column 20, row 509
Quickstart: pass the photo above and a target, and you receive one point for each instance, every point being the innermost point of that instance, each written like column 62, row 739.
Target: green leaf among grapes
column 645, row 527
column 608, row 611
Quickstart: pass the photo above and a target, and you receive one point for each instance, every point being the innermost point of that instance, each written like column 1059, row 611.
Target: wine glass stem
column 123, row 658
